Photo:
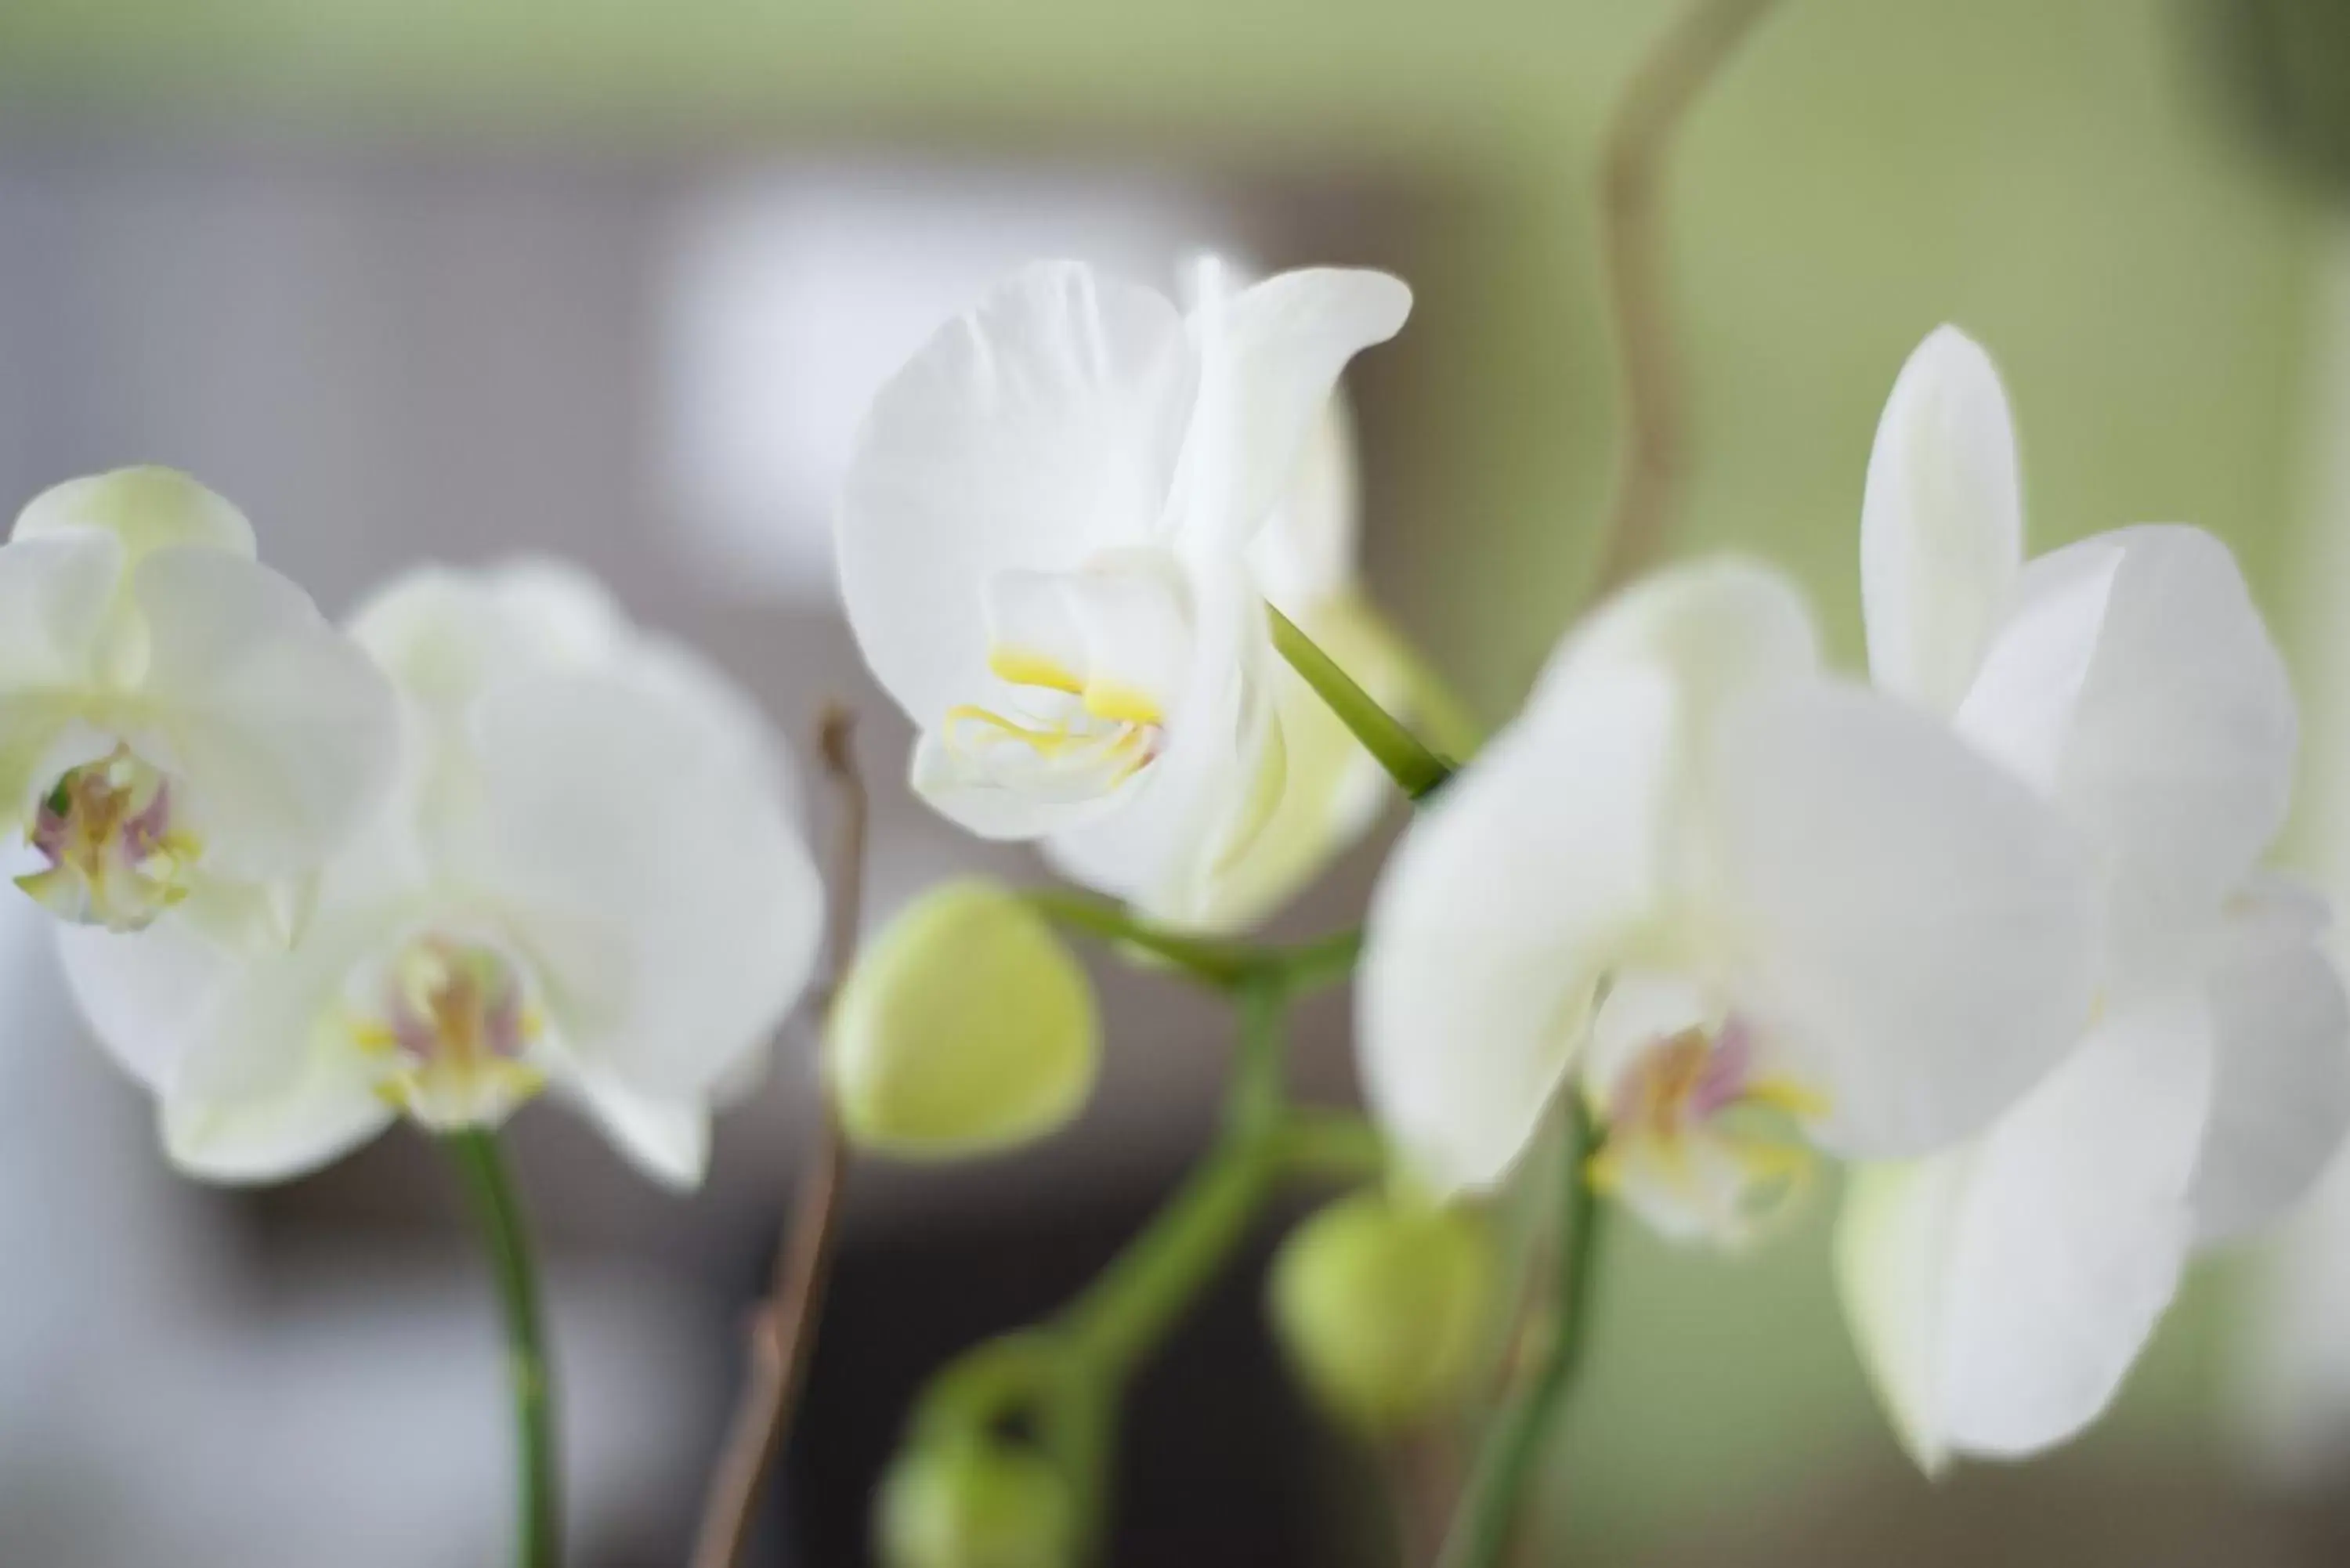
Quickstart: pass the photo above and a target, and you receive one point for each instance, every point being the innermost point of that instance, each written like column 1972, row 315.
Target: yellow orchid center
column 1700, row 1143
column 1090, row 663
column 116, row 855
column 451, row 1023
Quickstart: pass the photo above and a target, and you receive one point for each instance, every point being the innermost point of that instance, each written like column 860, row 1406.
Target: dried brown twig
column 783, row 1331
column 1640, row 137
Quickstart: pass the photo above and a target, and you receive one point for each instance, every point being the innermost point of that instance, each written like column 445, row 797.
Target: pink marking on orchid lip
column 506, row 1030
column 143, row 834
column 1727, row 1066
column 416, row 1035
column 49, row 831
column 471, row 1001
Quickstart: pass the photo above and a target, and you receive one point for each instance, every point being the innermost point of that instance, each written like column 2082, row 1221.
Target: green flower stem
column 1029, row 1369
column 1310, row 966
column 489, row 1186
column 1431, row 700
column 1225, row 965
column 988, row 1383
column 1068, row 1374
column 1220, row 964
column 1123, row 1314
column 1127, row 1311
column 1512, row 1447
column 1416, row 770
column 1331, row 1145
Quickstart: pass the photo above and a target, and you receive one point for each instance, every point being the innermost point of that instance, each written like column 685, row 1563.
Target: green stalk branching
column 505, row 1236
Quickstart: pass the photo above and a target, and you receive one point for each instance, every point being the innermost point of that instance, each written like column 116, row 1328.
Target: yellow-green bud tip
column 1381, row 1305
column 974, row 1502
column 967, row 1027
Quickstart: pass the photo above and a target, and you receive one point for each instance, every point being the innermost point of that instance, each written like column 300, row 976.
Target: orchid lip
column 452, row 1023
column 1701, row 1143
column 1090, row 664
column 119, row 852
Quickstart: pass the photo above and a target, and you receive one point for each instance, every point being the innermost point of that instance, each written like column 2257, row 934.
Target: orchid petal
column 144, row 509
column 1512, row 894
column 668, row 1140
column 446, row 636
column 252, row 1087
column 317, row 1119
column 980, row 803
column 285, row 734
column 1038, row 427
column 1893, row 1264
column 1916, row 925
column 2001, row 1293
column 2174, row 754
column 1306, row 555
column 54, row 597
column 1332, row 789
column 1288, row 337
column 2281, row 1092
column 1720, row 627
column 672, row 911
column 145, row 996
column 1941, row 521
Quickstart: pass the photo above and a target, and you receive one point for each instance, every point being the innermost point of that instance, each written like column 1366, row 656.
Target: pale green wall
column 2046, row 171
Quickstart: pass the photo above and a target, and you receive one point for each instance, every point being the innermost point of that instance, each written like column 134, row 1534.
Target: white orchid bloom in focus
column 2000, row 1291
column 1761, row 910
column 1043, row 547
column 178, row 727
column 590, row 880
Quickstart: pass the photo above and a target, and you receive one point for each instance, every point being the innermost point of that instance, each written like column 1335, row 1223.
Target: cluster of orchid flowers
column 1989, row 927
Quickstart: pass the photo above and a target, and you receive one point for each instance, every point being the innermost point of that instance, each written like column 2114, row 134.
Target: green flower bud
column 967, row 1026
column 1381, row 1306
column 974, row 1502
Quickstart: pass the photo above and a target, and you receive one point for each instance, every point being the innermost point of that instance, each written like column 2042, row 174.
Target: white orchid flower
column 178, row 727
column 2000, row 1291
column 1044, row 548
column 1763, row 912
column 590, row 880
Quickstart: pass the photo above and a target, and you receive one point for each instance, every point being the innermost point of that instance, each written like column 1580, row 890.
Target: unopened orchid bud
column 974, row 1502
column 968, row 1026
column 1380, row 1304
